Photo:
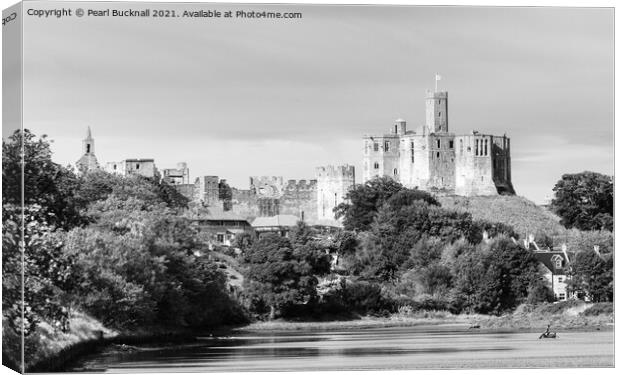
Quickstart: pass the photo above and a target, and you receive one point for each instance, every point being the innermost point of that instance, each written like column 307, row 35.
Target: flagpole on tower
column 437, row 79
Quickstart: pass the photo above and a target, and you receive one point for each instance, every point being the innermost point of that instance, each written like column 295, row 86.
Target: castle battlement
column 340, row 171
column 300, row 185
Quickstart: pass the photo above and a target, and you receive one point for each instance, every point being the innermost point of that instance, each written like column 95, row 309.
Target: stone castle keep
column 430, row 158
column 434, row 159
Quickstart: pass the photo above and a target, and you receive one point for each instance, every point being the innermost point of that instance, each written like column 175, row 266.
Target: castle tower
column 88, row 161
column 437, row 111
column 333, row 184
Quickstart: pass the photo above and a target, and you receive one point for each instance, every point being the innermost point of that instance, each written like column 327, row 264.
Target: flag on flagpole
column 437, row 77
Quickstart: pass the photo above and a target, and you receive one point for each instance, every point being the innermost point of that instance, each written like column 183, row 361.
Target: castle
column 436, row 160
column 310, row 200
column 430, row 158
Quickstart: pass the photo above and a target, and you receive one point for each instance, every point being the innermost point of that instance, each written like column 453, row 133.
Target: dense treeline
column 400, row 248
column 117, row 248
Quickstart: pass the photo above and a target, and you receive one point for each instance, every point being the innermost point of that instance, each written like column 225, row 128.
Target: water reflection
column 390, row 348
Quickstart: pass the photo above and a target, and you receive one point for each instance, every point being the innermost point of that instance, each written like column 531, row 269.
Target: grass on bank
column 523, row 215
column 563, row 315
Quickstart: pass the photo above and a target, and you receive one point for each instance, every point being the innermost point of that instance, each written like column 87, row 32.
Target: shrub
column 559, row 307
column 539, row 293
column 599, row 309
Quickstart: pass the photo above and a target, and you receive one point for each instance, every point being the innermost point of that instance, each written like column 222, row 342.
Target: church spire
column 88, row 161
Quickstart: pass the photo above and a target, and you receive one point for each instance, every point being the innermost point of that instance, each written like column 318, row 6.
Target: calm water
column 361, row 349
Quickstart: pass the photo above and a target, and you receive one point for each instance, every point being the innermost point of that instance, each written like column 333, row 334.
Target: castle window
column 137, row 166
column 476, row 147
column 88, row 149
column 440, row 114
column 439, row 143
column 439, row 102
column 395, row 171
column 486, row 148
column 114, row 166
column 451, row 144
column 375, row 146
column 438, row 155
column 396, row 129
column 376, row 165
column 386, row 146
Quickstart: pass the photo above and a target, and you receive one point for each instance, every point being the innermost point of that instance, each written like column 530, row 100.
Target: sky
column 246, row 97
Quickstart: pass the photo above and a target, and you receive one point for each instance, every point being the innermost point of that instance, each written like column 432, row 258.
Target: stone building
column 434, row 159
column 333, row 184
column 144, row 167
column 176, row 176
column 207, row 190
column 270, row 196
column 88, row 161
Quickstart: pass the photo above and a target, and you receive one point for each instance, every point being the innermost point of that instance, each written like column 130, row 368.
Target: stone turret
column 437, row 111
column 333, row 184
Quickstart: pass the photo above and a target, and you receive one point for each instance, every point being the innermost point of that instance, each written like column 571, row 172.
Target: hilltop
column 522, row 214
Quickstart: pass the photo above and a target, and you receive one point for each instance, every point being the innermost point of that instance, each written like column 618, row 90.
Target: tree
column 494, row 277
column 47, row 274
column 584, row 201
column 46, row 184
column 363, row 201
column 280, row 275
column 225, row 195
column 592, row 275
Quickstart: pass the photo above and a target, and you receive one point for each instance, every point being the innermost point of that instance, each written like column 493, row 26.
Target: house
column 555, row 268
column 221, row 227
column 279, row 224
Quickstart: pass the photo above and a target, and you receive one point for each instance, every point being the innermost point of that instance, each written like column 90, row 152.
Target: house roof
column 276, row 221
column 548, row 259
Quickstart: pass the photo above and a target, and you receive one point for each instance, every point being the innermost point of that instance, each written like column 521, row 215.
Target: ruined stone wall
column 245, row 203
column 300, row 198
column 269, row 196
column 187, row 190
column 207, row 190
column 333, row 184
column 501, row 165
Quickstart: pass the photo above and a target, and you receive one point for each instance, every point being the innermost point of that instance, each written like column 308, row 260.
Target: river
column 429, row 347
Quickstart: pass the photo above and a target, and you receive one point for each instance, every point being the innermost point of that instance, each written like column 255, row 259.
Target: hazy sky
column 241, row 97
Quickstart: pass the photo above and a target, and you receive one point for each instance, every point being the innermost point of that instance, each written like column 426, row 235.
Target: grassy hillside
column 522, row 214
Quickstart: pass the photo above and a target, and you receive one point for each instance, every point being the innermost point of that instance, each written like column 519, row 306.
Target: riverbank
column 55, row 349
column 569, row 316
column 87, row 335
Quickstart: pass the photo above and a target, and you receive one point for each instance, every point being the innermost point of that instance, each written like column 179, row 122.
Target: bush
column 559, row 307
column 599, row 309
column 362, row 297
column 539, row 293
